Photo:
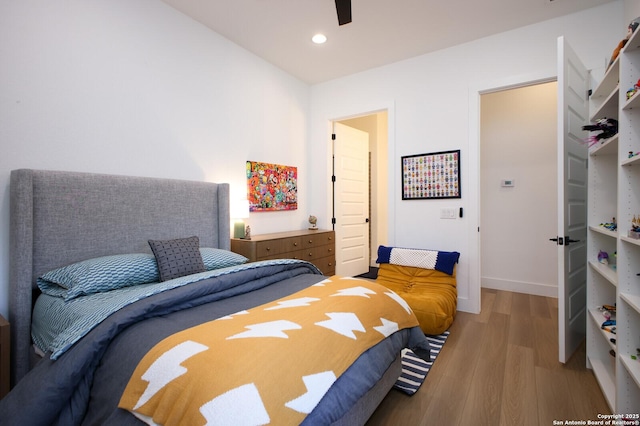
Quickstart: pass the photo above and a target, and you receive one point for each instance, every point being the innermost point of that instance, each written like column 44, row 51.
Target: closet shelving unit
column 614, row 192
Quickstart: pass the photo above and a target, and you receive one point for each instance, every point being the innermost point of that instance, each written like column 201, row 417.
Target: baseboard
column 536, row 289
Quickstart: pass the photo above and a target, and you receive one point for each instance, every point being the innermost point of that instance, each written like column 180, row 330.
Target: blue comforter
column 84, row 384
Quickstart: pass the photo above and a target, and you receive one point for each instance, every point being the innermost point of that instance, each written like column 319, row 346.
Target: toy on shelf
column 633, row 154
column 603, row 257
column 634, row 232
column 608, row 128
column 611, row 226
column 631, row 92
column 630, row 29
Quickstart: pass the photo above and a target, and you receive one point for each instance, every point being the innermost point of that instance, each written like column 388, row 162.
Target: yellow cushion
column 431, row 294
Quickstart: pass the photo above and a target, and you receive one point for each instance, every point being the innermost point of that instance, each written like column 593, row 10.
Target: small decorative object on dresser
column 317, row 247
column 313, row 223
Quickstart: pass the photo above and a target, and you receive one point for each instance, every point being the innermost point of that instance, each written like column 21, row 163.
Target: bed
column 63, row 221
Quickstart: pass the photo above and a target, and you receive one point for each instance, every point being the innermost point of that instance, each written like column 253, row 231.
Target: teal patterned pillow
column 214, row 258
column 99, row 275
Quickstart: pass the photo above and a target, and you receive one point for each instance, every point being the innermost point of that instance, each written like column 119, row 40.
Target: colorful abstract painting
column 433, row 175
column 271, row 187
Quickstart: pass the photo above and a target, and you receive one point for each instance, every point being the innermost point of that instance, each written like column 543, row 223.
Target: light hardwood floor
column 500, row 368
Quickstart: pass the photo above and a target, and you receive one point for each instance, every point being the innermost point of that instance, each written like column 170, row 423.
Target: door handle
column 559, row 241
column 568, row 240
column 366, row 220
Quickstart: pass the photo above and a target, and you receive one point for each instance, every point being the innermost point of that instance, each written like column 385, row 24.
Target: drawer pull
column 295, row 244
column 310, row 241
column 268, row 248
column 330, row 250
column 310, row 254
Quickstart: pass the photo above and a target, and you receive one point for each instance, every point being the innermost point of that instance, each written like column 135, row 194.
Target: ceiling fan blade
column 343, row 7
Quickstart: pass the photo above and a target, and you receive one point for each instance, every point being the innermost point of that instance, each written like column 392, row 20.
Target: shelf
column 605, row 380
column 632, row 103
column 632, row 300
column 604, row 231
column 606, row 271
column 608, row 108
column 613, row 189
column 630, row 161
column 598, row 318
column 632, row 366
column 630, row 240
column 606, row 147
column 609, row 82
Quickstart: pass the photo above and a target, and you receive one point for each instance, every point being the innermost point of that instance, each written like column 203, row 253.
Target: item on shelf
column 603, row 257
column 634, row 232
column 610, row 308
column 630, row 29
column 633, row 154
column 607, row 323
column 631, row 92
column 611, row 226
column 608, row 127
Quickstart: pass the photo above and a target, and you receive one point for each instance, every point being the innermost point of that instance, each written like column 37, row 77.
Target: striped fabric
column 57, row 324
column 415, row 369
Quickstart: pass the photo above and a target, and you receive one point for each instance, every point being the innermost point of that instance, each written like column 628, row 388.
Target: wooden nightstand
column 317, row 247
column 5, row 348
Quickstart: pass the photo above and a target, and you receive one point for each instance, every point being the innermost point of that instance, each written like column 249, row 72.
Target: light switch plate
column 447, row 213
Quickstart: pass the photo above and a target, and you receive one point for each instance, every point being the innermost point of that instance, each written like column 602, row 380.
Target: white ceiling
column 382, row 31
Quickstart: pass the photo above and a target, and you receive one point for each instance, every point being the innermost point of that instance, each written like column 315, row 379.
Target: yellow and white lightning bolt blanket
column 270, row 364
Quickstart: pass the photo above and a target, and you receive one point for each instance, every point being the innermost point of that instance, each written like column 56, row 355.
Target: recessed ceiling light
column 319, row 38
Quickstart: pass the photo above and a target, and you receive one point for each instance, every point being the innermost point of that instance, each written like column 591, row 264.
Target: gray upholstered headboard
column 58, row 218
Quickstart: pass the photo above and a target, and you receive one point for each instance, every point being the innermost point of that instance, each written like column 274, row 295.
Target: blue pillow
column 99, row 275
column 214, row 258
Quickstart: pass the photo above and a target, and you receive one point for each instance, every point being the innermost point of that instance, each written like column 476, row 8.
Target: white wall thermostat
column 507, row 183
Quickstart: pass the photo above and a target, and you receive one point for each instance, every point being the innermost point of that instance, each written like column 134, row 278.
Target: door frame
column 393, row 175
column 473, row 300
column 346, row 135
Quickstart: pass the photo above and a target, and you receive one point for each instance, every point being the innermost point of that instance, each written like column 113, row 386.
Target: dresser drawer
column 270, row 248
column 312, row 253
column 317, row 240
column 326, row 264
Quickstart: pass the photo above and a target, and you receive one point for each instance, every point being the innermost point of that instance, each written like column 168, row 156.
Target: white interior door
column 573, row 113
column 351, row 200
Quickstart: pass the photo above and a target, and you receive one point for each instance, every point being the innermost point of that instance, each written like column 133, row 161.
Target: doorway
column 377, row 127
column 518, row 189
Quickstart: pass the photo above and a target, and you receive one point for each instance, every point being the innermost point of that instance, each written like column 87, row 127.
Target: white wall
column 519, row 142
column 137, row 88
column 433, row 106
